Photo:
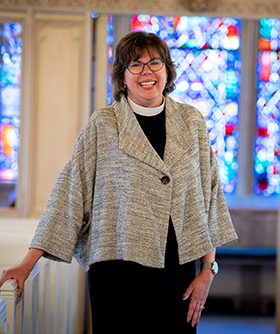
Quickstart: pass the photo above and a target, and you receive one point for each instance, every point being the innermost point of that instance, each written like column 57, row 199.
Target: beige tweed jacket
column 110, row 202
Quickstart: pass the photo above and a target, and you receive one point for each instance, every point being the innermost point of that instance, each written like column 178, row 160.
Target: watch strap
column 213, row 266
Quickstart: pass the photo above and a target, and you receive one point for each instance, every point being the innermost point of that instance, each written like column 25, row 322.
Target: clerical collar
column 145, row 111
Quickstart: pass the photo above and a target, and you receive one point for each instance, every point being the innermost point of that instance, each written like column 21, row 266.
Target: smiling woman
column 162, row 74
column 138, row 235
column 145, row 80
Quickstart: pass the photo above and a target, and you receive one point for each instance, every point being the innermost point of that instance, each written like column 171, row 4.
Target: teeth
column 150, row 83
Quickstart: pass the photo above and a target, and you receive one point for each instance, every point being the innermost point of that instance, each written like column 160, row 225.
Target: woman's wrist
column 31, row 258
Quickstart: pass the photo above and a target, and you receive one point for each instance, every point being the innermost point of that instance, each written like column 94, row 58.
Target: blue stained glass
column 206, row 52
column 10, row 93
column 267, row 141
column 110, row 45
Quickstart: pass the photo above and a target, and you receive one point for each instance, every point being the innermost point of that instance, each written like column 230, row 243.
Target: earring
column 125, row 86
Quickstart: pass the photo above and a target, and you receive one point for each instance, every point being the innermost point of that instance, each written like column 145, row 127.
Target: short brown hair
column 131, row 47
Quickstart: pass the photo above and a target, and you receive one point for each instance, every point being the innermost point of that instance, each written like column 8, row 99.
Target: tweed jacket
column 114, row 197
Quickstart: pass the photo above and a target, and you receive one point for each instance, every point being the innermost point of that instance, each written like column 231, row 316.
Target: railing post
column 14, row 308
column 19, row 315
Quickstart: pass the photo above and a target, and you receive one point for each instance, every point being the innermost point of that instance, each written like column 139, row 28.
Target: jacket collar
column 134, row 142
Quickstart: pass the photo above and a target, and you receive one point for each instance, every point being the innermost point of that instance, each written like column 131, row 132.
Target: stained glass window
column 267, row 141
column 110, row 45
column 10, row 84
column 206, row 52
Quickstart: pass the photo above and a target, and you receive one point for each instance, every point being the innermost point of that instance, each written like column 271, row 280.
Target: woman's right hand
column 19, row 274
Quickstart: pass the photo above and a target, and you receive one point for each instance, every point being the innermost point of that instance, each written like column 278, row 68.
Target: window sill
column 253, row 202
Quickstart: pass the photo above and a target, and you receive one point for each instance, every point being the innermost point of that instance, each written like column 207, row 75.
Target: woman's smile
column 146, row 89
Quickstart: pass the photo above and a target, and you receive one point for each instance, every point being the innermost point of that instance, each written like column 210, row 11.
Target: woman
column 139, row 203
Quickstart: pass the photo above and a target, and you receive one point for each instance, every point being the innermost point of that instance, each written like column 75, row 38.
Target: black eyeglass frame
column 144, row 64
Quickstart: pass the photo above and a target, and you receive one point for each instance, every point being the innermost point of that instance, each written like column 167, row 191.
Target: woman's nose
column 146, row 69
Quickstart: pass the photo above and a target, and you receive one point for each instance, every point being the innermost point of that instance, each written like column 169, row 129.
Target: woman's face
column 147, row 87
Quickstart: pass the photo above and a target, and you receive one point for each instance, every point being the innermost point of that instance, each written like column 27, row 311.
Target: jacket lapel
column 134, row 142
column 132, row 138
column 179, row 134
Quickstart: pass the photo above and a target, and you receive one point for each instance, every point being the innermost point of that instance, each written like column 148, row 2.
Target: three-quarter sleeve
column 66, row 217
column 220, row 226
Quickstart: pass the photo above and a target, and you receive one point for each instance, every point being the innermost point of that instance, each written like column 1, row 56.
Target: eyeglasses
column 137, row 67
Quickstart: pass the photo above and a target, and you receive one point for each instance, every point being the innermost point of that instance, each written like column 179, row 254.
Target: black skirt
column 127, row 297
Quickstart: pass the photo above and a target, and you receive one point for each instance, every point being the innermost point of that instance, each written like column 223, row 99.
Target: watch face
column 215, row 267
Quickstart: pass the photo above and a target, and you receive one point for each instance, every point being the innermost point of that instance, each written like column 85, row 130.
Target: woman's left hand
column 198, row 292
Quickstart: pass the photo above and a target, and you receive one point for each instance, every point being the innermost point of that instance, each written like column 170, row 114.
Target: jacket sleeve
column 65, row 220
column 220, row 225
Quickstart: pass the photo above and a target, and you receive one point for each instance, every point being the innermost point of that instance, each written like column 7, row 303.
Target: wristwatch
column 213, row 266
